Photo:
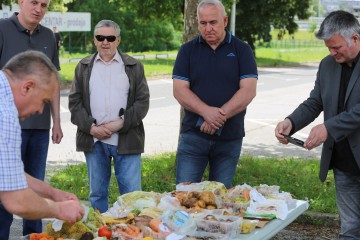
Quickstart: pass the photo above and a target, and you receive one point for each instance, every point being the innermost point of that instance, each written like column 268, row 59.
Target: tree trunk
column 190, row 29
column 190, row 20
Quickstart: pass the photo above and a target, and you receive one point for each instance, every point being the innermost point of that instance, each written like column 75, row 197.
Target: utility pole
column 318, row 14
column 233, row 16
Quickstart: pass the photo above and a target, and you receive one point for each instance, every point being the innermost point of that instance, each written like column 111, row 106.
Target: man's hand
column 318, row 136
column 70, row 211
column 115, row 126
column 57, row 134
column 285, row 128
column 60, row 196
column 206, row 128
column 100, row 132
column 215, row 117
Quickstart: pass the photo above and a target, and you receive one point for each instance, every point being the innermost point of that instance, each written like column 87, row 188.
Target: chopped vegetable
column 72, row 231
column 128, row 230
column 104, row 232
column 154, row 225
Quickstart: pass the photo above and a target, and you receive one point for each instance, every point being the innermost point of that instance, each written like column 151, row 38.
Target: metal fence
column 292, row 44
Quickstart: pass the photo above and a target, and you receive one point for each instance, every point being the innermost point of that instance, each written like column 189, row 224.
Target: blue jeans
column 348, row 203
column 196, row 152
column 127, row 172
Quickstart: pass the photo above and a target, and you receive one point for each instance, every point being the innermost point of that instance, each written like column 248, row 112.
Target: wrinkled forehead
column 44, row 3
column 105, row 31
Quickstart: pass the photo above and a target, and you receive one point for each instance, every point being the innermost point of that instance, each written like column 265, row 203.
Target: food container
column 235, row 207
column 218, row 226
column 248, row 226
column 141, row 221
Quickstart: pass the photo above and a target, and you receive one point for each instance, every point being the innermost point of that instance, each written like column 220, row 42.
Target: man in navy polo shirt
column 214, row 79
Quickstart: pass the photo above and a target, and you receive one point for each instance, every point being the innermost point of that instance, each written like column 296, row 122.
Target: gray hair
column 107, row 23
column 339, row 22
column 31, row 63
column 211, row 2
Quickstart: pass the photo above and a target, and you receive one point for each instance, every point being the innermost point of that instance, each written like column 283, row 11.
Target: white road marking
column 258, row 121
column 292, row 79
column 155, row 99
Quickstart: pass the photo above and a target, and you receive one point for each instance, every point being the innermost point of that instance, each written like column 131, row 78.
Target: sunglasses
column 101, row 38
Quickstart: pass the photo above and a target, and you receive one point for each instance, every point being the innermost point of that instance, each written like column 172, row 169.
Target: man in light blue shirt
column 27, row 83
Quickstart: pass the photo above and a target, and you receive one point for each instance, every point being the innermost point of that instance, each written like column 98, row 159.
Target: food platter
column 205, row 210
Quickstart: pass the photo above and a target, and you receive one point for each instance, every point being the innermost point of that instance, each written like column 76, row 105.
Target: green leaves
column 254, row 19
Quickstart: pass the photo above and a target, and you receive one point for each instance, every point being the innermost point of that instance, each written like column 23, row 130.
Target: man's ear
column 226, row 20
column 27, row 87
column 356, row 38
column 20, row 2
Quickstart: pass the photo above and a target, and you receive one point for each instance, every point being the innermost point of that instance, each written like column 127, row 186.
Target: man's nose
column 208, row 27
column 332, row 52
column 38, row 8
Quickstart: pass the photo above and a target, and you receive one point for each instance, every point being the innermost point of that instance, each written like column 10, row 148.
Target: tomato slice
column 104, row 232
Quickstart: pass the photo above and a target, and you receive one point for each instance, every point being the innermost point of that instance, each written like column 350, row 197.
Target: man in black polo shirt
column 214, row 80
column 337, row 94
column 19, row 33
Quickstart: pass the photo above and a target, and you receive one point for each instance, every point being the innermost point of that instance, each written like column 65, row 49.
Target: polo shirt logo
column 231, row 55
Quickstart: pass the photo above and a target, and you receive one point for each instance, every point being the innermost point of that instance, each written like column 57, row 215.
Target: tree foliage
column 6, row 2
column 254, row 19
column 145, row 25
column 165, row 10
column 159, row 25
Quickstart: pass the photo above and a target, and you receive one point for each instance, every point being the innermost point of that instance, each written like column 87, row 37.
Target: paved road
column 280, row 90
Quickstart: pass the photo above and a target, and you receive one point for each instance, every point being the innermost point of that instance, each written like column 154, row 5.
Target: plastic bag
column 179, row 222
column 169, row 203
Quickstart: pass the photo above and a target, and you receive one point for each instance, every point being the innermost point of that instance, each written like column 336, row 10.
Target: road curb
column 322, row 219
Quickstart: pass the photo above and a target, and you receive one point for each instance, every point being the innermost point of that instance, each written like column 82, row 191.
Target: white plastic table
column 276, row 225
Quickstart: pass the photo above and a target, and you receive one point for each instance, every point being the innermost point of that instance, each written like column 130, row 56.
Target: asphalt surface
column 279, row 91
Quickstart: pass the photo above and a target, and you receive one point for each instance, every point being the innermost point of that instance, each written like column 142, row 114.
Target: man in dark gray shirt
column 19, row 33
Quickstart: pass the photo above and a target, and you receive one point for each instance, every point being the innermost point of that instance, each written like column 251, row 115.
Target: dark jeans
column 34, row 150
column 6, row 220
column 348, row 202
column 196, row 152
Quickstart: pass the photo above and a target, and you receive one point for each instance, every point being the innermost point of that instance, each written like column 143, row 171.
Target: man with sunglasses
column 21, row 32
column 108, row 100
